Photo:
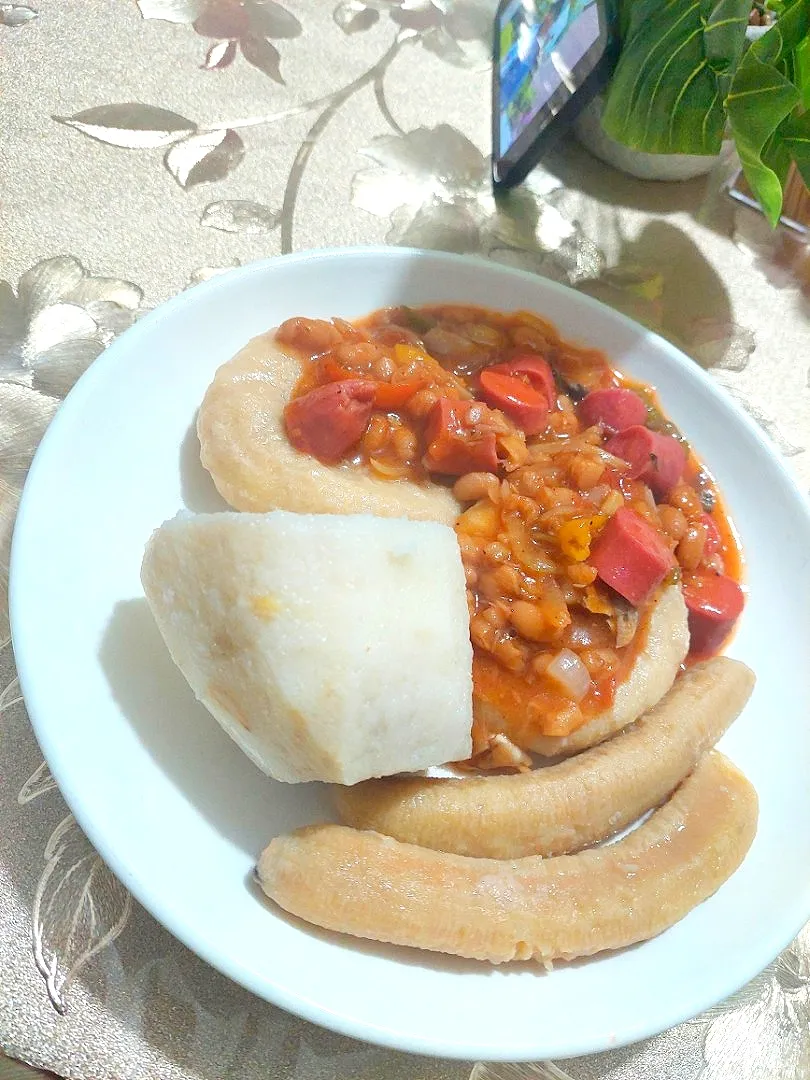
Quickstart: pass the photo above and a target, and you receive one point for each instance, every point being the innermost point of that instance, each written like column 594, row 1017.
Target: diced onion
column 440, row 342
column 626, row 624
column 570, row 674
column 529, row 555
column 390, row 472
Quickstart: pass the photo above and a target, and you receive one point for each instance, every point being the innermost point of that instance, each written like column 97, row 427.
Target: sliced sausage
column 615, row 408
column 714, row 603
column 631, row 556
column 459, row 440
column 565, row 807
column 330, row 419
column 371, row 886
column 658, row 460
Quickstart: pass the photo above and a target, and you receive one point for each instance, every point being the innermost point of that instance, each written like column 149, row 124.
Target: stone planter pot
column 588, row 129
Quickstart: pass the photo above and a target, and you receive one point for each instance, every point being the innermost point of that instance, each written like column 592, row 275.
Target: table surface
column 148, row 145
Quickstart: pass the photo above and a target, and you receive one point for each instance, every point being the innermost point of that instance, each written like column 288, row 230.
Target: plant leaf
column 204, row 158
column 174, row 11
column 269, row 19
column 666, row 95
column 761, row 105
column 16, row 14
column 79, row 909
column 263, row 55
column 795, row 134
column 130, row 124
column 220, row 55
column 353, row 16
column 239, row 216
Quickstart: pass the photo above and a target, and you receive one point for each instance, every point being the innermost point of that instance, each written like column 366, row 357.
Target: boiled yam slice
column 329, row 647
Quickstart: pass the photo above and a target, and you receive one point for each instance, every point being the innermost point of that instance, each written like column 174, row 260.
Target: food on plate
column 661, row 647
column 304, row 634
column 372, row 886
column 568, row 806
column 244, row 445
column 593, row 542
column 595, row 580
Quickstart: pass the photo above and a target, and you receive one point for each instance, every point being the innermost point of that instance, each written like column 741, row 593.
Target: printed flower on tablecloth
column 763, row 1031
column 458, row 31
column 17, row 14
column 250, row 26
column 51, row 328
column 433, row 185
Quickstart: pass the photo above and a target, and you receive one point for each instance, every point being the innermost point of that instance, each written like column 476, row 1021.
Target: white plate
column 178, row 812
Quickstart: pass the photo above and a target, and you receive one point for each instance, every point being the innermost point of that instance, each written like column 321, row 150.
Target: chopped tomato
column 335, row 372
column 330, row 419
column 527, row 407
column 459, row 440
column 532, row 369
column 631, row 556
column 394, row 395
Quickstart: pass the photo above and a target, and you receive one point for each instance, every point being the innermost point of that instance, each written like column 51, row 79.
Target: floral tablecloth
column 149, row 145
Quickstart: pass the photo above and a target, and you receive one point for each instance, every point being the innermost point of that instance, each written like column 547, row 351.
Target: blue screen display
column 540, row 44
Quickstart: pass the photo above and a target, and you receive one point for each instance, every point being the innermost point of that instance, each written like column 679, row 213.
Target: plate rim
column 241, row 973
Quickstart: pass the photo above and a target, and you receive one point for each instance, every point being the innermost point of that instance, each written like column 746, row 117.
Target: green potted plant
column 689, row 75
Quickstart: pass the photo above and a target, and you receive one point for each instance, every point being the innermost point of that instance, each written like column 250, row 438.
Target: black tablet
column 550, row 58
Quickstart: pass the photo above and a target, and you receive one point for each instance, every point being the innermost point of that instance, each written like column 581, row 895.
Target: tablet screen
column 546, row 49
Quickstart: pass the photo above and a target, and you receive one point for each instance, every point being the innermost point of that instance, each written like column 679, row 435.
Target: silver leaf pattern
column 110, row 318
column 16, row 14
column 79, row 908
column 40, row 782
column 54, row 324
column 353, row 16
column 48, row 282
column 24, row 415
column 58, row 321
column 767, row 423
column 204, row 158
column 131, row 124
column 58, row 367
column 240, row 216
column 11, row 695
column 205, row 273
column 262, row 54
column 175, row 11
column 219, row 56
column 543, row 1070
column 719, row 343
column 765, row 1033
column 105, row 289
column 269, row 19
